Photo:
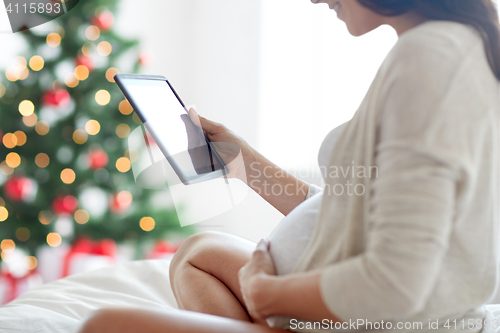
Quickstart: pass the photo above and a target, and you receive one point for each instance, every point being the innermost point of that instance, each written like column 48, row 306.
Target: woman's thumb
column 203, row 123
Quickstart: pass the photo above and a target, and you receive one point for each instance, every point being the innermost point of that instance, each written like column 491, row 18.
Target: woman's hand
column 251, row 276
column 275, row 185
column 234, row 151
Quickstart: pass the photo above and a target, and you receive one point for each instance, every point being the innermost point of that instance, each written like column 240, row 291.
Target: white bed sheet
column 61, row 306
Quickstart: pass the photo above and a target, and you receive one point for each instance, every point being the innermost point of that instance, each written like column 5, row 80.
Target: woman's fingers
column 263, row 245
column 195, row 118
column 206, row 125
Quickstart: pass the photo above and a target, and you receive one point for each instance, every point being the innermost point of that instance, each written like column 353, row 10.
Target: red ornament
column 166, row 247
column 103, row 20
column 18, row 188
column 82, row 60
column 64, row 204
column 105, row 247
column 163, row 249
column 120, row 203
column 56, row 97
column 97, row 159
column 85, row 245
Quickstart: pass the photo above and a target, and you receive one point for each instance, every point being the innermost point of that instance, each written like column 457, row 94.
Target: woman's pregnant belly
column 290, row 238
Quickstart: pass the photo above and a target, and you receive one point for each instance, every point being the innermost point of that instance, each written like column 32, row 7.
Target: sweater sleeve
column 412, row 200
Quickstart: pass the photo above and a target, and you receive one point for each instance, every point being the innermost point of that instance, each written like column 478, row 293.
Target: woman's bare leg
column 204, row 274
column 138, row 321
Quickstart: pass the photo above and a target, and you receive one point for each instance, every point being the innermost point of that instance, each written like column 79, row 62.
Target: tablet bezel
column 183, row 178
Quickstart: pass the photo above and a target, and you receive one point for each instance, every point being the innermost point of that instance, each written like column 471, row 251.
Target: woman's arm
column 275, row 185
column 295, row 296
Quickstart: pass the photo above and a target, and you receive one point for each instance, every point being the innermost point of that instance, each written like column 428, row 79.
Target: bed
column 61, row 306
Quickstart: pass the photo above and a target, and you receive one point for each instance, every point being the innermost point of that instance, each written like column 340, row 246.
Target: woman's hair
column 481, row 14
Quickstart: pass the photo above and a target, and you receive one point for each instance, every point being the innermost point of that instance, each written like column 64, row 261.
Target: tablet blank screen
column 170, row 125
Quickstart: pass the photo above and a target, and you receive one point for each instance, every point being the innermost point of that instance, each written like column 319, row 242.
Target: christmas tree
column 65, row 166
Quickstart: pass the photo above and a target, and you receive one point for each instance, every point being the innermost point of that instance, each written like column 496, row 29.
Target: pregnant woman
column 403, row 236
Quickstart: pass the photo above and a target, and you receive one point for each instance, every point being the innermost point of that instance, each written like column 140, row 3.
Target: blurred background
column 280, row 73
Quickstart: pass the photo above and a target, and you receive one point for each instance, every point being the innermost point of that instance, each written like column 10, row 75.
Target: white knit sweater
column 411, row 236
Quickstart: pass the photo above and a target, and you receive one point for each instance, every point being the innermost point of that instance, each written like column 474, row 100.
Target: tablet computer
column 184, row 145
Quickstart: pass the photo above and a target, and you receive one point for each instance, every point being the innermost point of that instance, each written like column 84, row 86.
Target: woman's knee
column 208, row 251
column 196, row 248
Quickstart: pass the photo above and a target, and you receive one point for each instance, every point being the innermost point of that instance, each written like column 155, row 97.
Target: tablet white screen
column 171, row 127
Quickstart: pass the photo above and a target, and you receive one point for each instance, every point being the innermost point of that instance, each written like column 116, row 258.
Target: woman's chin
column 355, row 33
column 358, row 31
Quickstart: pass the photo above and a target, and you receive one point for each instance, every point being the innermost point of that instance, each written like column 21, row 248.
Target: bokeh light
column 92, row 127
column 124, row 198
column 45, row 217
column 81, row 216
column 9, row 140
column 87, row 49
column 42, row 160
column 4, row 214
column 23, row 75
column 68, row 176
column 125, row 107
column 92, row 32
column 20, row 62
column 82, row 72
column 4, row 256
column 26, row 108
column 30, row 121
column 17, row 70
column 54, row 239
column 80, row 136
column 36, row 63
column 147, row 223
column 42, row 127
column 123, row 164
column 7, row 245
column 13, row 160
column 12, row 74
column 104, row 49
column 21, row 137
column 2, row 89
column 23, row 234
column 30, row 262
column 60, row 30
column 5, row 169
column 102, row 97
column 71, row 80
column 110, row 73
column 123, row 131
column 53, row 39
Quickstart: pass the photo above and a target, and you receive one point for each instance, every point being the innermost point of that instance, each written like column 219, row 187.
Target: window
column 313, row 77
